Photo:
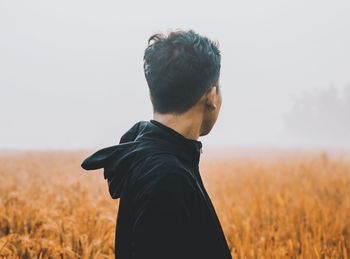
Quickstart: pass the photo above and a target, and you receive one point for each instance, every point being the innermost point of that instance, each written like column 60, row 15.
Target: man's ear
column 211, row 95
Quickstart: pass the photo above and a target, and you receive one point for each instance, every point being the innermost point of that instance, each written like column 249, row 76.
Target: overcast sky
column 71, row 71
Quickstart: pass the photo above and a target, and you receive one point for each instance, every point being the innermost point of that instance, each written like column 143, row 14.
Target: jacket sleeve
column 162, row 226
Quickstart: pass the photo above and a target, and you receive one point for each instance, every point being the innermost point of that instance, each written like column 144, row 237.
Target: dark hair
column 179, row 68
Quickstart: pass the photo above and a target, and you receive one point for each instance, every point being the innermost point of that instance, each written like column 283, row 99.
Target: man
column 165, row 211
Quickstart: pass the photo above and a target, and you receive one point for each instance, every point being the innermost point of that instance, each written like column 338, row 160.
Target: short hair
column 179, row 67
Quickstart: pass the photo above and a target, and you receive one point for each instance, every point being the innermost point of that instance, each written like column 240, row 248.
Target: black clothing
column 164, row 210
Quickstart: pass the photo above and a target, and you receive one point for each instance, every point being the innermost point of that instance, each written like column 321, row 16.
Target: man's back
column 164, row 209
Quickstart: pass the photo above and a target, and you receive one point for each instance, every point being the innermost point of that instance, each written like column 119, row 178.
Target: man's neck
column 186, row 124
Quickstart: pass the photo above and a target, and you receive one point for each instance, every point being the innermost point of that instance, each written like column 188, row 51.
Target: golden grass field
column 272, row 204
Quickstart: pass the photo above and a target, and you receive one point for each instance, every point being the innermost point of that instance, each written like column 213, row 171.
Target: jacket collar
column 188, row 149
column 144, row 135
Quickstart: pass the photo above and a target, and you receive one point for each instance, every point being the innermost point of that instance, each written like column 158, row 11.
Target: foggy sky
column 71, row 71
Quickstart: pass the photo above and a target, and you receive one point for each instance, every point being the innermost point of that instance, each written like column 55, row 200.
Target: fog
column 71, row 71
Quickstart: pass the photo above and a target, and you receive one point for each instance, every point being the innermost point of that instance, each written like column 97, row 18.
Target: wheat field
column 271, row 204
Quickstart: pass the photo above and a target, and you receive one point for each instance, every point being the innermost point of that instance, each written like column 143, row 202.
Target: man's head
column 182, row 70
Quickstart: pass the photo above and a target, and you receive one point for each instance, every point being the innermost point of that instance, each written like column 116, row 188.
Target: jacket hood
column 152, row 135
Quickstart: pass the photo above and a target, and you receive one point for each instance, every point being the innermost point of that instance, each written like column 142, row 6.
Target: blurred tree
column 321, row 116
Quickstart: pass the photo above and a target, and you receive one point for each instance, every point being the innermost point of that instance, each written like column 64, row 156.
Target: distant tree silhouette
column 321, row 116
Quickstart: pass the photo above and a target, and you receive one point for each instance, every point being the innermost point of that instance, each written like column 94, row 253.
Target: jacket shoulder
column 164, row 176
column 160, row 165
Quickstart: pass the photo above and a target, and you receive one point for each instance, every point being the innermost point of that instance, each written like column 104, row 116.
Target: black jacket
column 164, row 210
